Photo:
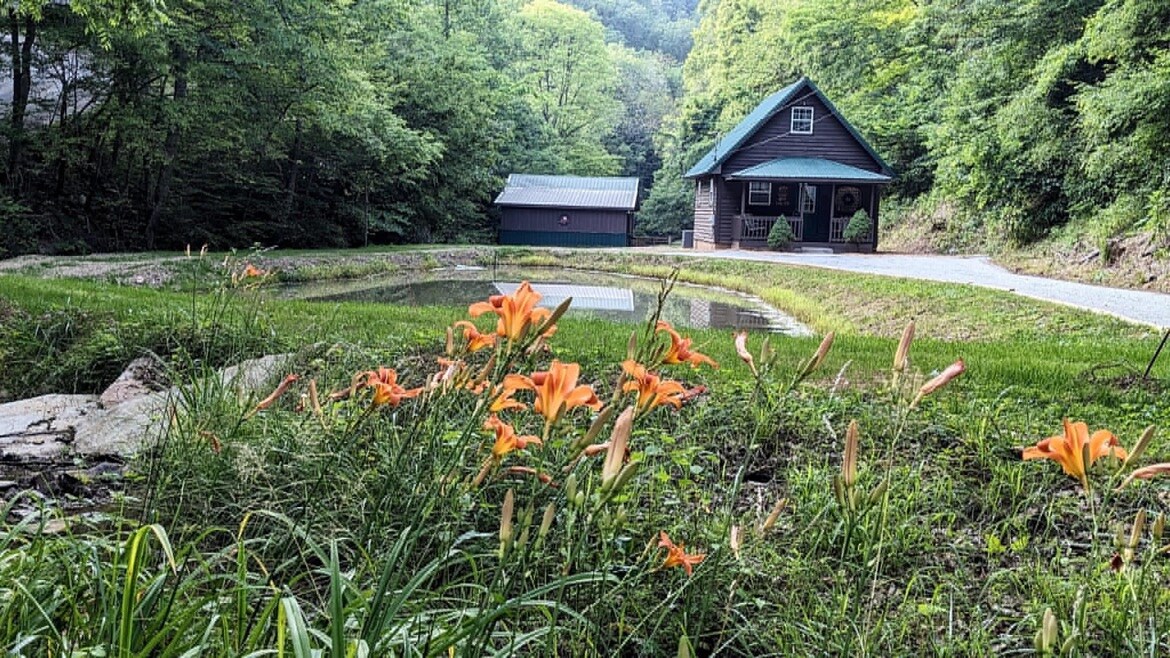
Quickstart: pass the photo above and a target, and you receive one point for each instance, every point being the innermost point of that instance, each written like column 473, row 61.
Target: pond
column 608, row 296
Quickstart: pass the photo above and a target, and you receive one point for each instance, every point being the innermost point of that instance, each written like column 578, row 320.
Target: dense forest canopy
column 1010, row 117
column 133, row 124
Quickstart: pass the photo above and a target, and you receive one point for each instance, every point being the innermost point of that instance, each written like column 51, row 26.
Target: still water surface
column 607, row 296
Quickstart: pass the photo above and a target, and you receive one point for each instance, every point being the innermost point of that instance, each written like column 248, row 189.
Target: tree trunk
column 294, row 172
column 21, row 55
column 62, row 162
column 170, row 152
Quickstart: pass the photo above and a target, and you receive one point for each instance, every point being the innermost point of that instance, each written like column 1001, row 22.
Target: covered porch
column 816, row 197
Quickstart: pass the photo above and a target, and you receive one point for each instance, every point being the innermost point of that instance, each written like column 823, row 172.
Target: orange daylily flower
column 506, row 438
column 517, row 312
column 556, row 390
column 503, row 400
column 251, row 270
column 387, row 390
column 651, row 389
column 680, row 348
column 676, row 556
column 1071, row 449
column 475, row 340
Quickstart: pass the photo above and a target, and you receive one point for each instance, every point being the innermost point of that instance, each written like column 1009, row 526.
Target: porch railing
column 756, row 229
column 837, row 230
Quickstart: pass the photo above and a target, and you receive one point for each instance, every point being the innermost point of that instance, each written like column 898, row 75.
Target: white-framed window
column 808, row 200
column 759, row 193
column 802, row 121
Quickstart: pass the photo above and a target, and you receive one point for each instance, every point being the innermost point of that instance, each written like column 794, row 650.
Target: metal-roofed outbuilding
column 576, row 211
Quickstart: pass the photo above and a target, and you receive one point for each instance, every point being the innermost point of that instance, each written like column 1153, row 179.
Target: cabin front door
column 814, row 204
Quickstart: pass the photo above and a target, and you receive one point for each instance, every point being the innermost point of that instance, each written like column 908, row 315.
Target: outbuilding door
column 814, row 205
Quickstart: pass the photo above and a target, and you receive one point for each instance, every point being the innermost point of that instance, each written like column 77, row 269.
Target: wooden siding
column 703, row 225
column 830, row 140
column 580, row 221
column 728, row 203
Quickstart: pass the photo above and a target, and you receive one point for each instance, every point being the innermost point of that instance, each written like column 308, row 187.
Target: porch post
column 832, row 209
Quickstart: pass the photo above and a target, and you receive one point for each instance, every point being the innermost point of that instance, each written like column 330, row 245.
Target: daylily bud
column 774, row 515
column 315, row 399
column 617, row 449
column 735, row 540
column 486, row 371
column 450, row 347
column 579, row 499
column 1158, row 528
column 506, row 523
column 594, row 429
column 849, row 463
column 571, row 486
column 624, row 478
column 902, row 355
column 954, row 370
column 632, row 346
column 1046, row 639
column 1145, row 473
column 818, row 357
column 525, row 525
column 1128, row 547
column 1143, row 442
column 839, row 490
column 550, row 513
column 878, row 492
column 556, row 315
column 742, row 350
column 766, row 351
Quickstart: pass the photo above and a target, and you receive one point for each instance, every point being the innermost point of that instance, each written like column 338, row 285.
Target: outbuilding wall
column 565, row 227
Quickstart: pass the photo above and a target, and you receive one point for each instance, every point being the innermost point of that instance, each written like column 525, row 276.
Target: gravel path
column 1139, row 306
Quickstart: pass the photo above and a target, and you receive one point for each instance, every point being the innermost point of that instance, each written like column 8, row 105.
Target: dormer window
column 802, row 121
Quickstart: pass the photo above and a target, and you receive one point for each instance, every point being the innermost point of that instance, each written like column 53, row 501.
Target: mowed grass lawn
column 297, row 532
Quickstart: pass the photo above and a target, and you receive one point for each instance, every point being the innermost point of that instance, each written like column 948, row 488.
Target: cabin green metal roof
column 808, row 169
column 755, row 120
column 607, row 193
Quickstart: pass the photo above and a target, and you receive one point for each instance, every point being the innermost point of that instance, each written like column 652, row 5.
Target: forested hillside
column 131, row 125
column 1003, row 119
column 309, row 123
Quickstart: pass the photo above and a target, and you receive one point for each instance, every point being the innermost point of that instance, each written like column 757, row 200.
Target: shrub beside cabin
column 795, row 157
column 567, row 211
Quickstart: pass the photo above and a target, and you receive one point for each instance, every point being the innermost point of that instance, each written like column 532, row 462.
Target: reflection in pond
column 611, row 297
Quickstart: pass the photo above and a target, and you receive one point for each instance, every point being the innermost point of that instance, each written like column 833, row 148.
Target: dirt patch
column 1139, row 261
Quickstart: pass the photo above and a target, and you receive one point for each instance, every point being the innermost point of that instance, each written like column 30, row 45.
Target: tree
column 568, row 78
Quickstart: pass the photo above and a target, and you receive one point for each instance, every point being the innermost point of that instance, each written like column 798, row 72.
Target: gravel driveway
column 1139, row 306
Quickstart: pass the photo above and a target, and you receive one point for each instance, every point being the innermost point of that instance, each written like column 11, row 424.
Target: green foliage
column 780, row 236
column 305, row 124
column 858, row 228
column 20, row 230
